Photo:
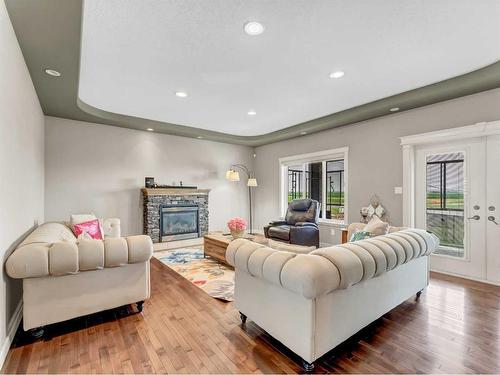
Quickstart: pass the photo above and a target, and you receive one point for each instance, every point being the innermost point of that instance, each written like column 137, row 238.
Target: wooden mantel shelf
column 175, row 191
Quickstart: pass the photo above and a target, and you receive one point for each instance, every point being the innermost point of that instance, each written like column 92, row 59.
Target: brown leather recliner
column 300, row 226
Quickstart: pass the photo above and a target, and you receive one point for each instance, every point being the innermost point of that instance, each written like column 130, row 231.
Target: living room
column 174, row 202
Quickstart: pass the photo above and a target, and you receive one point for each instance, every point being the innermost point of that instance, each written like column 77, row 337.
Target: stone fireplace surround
column 154, row 198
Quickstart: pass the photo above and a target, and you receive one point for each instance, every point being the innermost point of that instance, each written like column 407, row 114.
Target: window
column 445, row 201
column 305, row 181
column 319, row 176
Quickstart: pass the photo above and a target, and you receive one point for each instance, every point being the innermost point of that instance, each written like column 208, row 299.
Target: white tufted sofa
column 313, row 302
column 64, row 277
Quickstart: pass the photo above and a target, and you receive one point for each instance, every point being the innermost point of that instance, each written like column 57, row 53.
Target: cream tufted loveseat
column 64, row 277
column 313, row 302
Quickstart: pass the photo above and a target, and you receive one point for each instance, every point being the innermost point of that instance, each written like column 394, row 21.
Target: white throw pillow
column 81, row 218
column 376, row 226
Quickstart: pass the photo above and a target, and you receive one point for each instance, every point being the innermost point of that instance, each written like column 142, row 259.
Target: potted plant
column 237, row 226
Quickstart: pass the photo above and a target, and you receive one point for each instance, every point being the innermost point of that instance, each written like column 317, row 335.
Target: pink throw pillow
column 90, row 228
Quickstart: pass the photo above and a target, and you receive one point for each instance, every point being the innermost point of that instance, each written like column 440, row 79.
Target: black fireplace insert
column 179, row 222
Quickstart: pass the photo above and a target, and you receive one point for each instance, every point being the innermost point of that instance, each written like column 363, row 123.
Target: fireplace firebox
column 152, row 202
column 179, row 222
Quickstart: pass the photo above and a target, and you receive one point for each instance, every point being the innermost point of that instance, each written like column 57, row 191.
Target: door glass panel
column 445, row 202
column 335, row 189
column 295, row 182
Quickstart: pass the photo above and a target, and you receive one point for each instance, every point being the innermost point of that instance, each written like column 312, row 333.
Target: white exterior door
column 450, row 201
column 493, row 207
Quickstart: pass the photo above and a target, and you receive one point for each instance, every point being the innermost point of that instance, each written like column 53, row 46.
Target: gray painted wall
column 98, row 168
column 21, row 165
column 375, row 157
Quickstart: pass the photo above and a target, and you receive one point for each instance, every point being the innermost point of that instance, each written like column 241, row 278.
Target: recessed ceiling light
column 150, row 129
column 338, row 74
column 251, row 113
column 199, row 137
column 254, row 28
column 52, row 72
column 394, row 109
column 181, row 94
column 303, row 133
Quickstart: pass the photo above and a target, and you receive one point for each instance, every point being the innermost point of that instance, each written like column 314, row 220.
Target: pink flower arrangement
column 237, row 223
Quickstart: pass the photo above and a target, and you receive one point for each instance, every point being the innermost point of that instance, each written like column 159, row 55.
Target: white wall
column 99, row 168
column 21, row 166
column 375, row 157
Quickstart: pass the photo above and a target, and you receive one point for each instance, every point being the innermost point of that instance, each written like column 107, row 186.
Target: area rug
column 212, row 277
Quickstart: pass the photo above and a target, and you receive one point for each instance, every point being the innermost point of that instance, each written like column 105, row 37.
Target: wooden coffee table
column 215, row 244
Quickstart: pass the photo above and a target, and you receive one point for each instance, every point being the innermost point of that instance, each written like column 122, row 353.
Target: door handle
column 476, row 217
column 492, row 219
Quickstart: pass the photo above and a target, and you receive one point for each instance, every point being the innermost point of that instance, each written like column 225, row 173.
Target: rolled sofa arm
column 273, row 224
column 67, row 258
column 277, row 222
column 306, row 224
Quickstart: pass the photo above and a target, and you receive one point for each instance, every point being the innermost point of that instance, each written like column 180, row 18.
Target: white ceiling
column 136, row 54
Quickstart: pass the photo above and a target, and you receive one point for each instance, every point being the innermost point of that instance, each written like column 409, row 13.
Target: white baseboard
column 466, row 277
column 11, row 332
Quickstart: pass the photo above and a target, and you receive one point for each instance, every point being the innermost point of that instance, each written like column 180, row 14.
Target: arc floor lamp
column 233, row 175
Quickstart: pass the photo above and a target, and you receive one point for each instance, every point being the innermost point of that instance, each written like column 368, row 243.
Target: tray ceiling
column 136, row 55
column 124, row 65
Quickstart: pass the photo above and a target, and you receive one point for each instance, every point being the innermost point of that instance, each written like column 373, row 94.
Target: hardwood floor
column 453, row 328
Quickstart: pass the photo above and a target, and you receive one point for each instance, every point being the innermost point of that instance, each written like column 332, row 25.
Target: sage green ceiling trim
column 49, row 33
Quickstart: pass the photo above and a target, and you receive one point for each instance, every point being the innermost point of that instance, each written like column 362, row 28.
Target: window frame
column 315, row 157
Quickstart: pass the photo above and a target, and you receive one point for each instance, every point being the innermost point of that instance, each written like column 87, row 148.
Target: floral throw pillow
column 359, row 235
column 88, row 229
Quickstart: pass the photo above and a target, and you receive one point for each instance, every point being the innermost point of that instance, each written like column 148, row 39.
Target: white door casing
column 493, row 200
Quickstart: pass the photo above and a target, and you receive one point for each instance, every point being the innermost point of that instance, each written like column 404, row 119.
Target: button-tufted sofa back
column 53, row 250
column 331, row 268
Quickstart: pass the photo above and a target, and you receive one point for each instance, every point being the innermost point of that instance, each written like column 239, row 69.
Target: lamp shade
column 252, row 182
column 232, row 175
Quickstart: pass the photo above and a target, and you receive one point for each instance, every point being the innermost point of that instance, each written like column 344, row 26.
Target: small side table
column 215, row 245
column 344, row 236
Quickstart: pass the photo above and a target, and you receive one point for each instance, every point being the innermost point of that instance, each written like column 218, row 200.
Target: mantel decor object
column 149, row 182
column 375, row 208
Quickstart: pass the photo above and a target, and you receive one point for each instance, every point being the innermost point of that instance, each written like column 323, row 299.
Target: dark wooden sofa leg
column 243, row 318
column 419, row 293
column 308, row 367
column 140, row 306
column 36, row 333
